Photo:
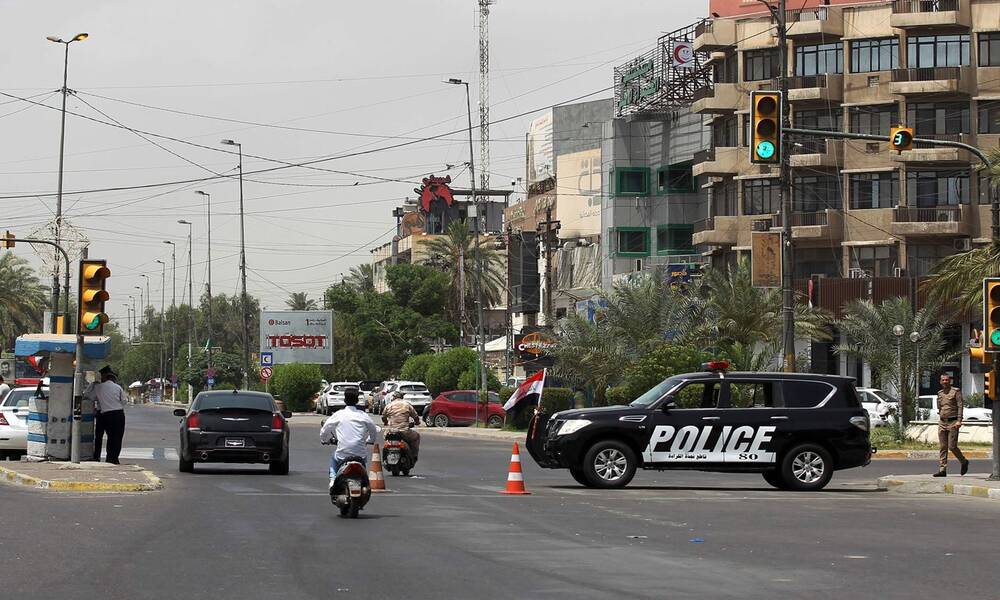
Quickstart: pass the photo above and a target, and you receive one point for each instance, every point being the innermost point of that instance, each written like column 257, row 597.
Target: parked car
column 927, row 410
column 414, row 392
column 380, row 398
column 880, row 406
column 458, row 407
column 333, row 399
column 368, row 388
column 234, row 427
column 14, row 421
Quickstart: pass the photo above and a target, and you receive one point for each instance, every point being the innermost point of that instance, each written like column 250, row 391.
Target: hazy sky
column 363, row 75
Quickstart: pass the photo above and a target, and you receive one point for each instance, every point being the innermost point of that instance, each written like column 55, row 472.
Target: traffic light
column 94, row 275
column 991, row 314
column 8, row 240
column 901, row 138
column 765, row 148
column 989, row 386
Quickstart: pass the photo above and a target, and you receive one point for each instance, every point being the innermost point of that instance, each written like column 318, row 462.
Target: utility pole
column 461, row 294
column 550, row 232
column 163, row 345
column 243, row 273
column 208, row 285
column 787, row 254
column 173, row 320
column 509, row 317
column 190, row 304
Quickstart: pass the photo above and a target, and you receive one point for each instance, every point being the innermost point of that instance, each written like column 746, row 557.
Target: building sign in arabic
column 297, row 336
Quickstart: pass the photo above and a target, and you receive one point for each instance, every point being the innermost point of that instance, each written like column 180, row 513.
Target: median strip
column 83, row 477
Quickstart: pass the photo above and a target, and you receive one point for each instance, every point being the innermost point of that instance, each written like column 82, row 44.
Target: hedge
column 618, row 396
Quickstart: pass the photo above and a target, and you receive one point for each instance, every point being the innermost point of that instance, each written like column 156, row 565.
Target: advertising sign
column 682, row 54
column 297, row 336
column 540, row 165
column 580, row 193
column 765, row 258
column 534, row 347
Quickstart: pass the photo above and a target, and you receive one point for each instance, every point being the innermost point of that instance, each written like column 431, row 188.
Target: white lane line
column 146, row 454
column 236, row 488
column 300, row 487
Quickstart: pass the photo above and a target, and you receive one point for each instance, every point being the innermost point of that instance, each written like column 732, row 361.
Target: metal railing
column 927, row 74
column 938, row 214
column 816, row 14
column 706, row 155
column 704, row 92
column 703, row 28
column 764, row 224
column 704, row 225
column 805, row 219
column 807, row 81
column 924, row 6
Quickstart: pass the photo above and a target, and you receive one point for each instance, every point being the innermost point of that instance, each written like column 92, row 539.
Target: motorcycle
column 351, row 489
column 396, row 454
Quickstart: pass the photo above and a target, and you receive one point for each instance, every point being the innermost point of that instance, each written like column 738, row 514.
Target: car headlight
column 572, row 426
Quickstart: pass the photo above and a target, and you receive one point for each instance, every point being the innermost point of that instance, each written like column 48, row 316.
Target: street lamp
column 190, row 303
column 135, row 322
column 243, row 271
column 915, row 338
column 128, row 320
column 173, row 317
column 142, row 305
column 208, row 345
column 898, row 331
column 163, row 302
column 479, row 257
column 59, row 190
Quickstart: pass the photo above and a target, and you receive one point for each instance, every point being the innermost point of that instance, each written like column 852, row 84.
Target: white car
column 381, row 396
column 927, row 410
column 332, row 399
column 14, row 421
column 414, row 392
column 881, row 408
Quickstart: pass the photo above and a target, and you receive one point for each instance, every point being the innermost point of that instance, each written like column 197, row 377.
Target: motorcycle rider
column 397, row 416
column 353, row 431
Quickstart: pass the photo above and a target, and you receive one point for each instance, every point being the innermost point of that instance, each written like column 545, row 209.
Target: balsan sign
column 297, row 336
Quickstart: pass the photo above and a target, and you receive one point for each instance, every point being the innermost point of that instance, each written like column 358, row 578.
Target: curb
column 499, row 436
column 926, row 454
column 932, row 487
column 153, row 483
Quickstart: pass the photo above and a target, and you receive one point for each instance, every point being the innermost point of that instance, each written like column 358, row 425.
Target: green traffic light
column 765, row 149
column 995, row 337
column 93, row 323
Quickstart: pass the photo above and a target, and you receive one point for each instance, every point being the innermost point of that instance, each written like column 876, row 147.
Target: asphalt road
column 241, row 533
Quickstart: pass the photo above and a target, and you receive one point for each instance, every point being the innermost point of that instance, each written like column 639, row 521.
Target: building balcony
column 717, row 162
column 930, row 14
column 722, row 98
column 926, row 153
column 717, row 231
column 822, row 88
column 933, row 80
column 824, row 21
column 939, row 220
column 814, row 152
column 714, row 34
column 821, row 226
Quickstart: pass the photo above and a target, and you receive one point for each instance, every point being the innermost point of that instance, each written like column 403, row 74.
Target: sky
column 159, row 84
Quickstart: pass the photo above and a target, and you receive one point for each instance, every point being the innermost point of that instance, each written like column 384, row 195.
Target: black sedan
column 234, row 427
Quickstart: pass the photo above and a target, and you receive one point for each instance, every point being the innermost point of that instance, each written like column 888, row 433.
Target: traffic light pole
column 787, row 254
column 995, row 474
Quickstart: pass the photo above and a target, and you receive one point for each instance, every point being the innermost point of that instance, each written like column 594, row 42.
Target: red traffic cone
column 515, row 479
column 375, row 477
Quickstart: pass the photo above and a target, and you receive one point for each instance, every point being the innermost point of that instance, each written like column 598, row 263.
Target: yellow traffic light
column 765, row 148
column 989, row 386
column 93, row 281
column 901, row 138
column 8, row 240
column 991, row 314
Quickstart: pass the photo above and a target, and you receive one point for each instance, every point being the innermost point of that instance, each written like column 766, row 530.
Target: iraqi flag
column 530, row 390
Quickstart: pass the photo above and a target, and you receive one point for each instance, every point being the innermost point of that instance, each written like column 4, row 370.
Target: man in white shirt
column 354, row 431
column 4, row 388
column 109, row 406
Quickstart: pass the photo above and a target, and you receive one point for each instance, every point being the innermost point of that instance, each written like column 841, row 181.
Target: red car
column 459, row 408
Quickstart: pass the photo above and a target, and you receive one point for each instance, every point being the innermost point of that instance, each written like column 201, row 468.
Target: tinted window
column 925, row 402
column 251, row 401
column 413, row 388
column 752, row 394
column 656, row 392
column 805, row 394
column 700, row 394
column 341, row 388
column 494, row 397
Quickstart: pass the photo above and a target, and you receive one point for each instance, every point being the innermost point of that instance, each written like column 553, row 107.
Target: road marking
column 146, row 454
column 236, row 488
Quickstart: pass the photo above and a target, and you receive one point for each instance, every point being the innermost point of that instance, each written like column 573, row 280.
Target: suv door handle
column 710, row 418
column 779, row 418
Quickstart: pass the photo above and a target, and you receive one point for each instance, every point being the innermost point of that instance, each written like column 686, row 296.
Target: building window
column 989, row 115
column 815, row 193
column 631, row 181
column 927, row 189
column 827, row 119
column 873, row 120
column 675, row 178
column 989, row 49
column 746, row 130
column 938, row 118
column 727, row 70
column 724, row 132
column 880, row 54
column 875, row 261
column 760, row 64
column 938, row 51
column 986, row 190
column 724, row 198
column 631, row 241
column 874, row 190
column 920, row 259
column 674, row 239
column 761, row 196
column 819, row 59
column 817, row 261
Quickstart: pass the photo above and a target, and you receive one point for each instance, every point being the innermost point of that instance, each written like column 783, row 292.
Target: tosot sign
column 297, row 336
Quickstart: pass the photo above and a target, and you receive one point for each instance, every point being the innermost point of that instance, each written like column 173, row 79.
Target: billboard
column 296, row 336
column 765, row 258
column 540, row 166
column 579, row 193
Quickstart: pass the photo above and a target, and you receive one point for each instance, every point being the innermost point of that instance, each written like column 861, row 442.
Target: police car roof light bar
column 715, row 365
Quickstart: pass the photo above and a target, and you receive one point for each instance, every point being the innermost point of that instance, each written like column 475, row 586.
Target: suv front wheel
column 609, row 464
column 807, row 468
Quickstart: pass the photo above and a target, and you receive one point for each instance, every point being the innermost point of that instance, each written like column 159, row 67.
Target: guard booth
column 50, row 416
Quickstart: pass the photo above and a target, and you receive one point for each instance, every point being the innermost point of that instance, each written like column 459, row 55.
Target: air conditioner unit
column 858, row 274
column 963, row 244
column 943, row 216
column 898, row 272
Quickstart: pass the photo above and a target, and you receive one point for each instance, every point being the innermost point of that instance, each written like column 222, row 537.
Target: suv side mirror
column 287, row 414
column 179, row 412
column 668, row 404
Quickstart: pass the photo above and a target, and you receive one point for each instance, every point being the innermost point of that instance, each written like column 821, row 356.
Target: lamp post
column 62, row 147
column 142, row 305
column 898, row 331
column 479, row 254
column 190, row 302
column 208, row 344
column 128, row 320
column 163, row 302
column 173, row 319
column 915, row 338
column 243, row 272
column 135, row 322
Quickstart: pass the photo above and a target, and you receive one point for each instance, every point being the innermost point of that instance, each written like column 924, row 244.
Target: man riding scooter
column 352, row 429
column 397, row 418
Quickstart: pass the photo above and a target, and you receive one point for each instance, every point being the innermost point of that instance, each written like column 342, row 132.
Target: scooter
column 351, row 489
column 396, row 454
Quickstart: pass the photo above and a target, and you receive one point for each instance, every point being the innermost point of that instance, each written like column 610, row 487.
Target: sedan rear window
column 19, row 397
column 250, row 401
column 341, row 388
column 413, row 388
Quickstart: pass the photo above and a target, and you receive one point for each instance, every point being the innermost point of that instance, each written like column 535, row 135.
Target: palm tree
column 361, row 278
column 587, row 355
column 22, row 298
column 300, row 301
column 457, row 250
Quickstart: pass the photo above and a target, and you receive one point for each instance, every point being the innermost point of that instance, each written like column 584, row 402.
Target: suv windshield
column 656, row 392
column 413, row 388
column 219, row 401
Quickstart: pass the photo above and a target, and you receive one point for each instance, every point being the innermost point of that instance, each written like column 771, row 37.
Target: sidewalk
column 973, row 484
column 926, row 454
column 83, row 477
column 475, row 433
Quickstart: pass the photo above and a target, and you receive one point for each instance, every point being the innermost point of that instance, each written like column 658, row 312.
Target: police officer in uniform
column 109, row 404
column 949, row 403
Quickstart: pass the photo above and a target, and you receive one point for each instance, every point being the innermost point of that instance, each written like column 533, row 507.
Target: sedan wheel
column 495, row 421
column 441, row 420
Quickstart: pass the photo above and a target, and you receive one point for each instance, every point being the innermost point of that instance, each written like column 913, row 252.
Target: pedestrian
column 4, row 388
column 109, row 406
column 949, row 403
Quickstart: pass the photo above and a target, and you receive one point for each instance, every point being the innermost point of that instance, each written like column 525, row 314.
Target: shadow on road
column 699, row 488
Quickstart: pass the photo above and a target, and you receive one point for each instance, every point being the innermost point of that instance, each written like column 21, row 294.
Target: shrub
column 447, row 367
column 296, row 384
column 415, row 367
column 618, row 396
column 665, row 360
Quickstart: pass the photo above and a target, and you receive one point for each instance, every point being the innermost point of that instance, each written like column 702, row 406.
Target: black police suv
column 795, row 429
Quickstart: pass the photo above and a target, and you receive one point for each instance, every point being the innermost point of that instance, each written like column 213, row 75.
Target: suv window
column 752, row 394
column 698, row 394
column 805, row 394
column 413, row 388
column 341, row 388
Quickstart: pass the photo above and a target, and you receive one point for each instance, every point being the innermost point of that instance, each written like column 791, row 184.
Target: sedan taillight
column 3, row 421
column 193, row 422
column 277, row 422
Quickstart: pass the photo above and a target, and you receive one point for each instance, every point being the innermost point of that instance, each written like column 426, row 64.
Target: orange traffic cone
column 375, row 471
column 515, row 479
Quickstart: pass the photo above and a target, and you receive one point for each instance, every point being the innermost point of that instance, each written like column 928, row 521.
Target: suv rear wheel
column 806, row 468
column 609, row 464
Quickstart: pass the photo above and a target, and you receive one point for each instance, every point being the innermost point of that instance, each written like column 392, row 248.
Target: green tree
column 415, row 367
column 470, row 379
column 587, row 355
column 664, row 360
column 300, row 301
column 361, row 278
column 22, row 299
column 457, row 251
column 295, row 384
column 447, row 367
